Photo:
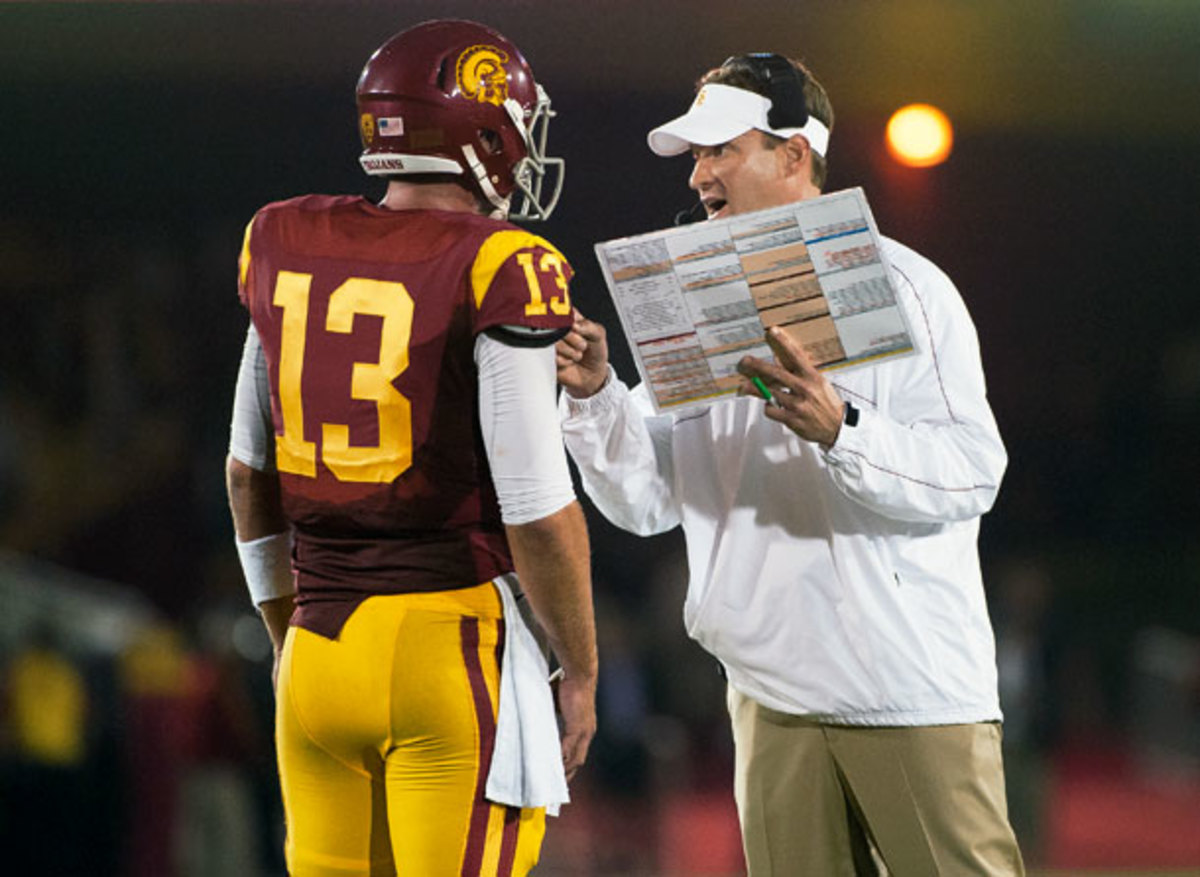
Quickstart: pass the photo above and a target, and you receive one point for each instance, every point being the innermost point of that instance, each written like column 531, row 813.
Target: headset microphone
column 693, row 214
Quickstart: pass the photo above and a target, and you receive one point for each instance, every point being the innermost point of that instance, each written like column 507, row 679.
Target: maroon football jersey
column 368, row 318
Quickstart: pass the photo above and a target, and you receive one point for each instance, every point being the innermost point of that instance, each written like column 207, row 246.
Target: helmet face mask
column 532, row 173
column 455, row 97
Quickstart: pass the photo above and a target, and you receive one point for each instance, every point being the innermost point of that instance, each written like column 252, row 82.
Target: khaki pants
column 833, row 801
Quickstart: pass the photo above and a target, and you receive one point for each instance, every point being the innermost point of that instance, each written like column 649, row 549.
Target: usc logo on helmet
column 366, row 125
column 481, row 75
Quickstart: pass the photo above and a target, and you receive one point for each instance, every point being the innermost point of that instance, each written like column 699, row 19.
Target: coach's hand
column 805, row 400
column 581, row 357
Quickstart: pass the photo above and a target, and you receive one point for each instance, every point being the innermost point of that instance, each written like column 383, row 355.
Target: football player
column 395, row 457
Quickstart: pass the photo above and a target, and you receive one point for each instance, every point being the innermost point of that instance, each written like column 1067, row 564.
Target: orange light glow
column 919, row 135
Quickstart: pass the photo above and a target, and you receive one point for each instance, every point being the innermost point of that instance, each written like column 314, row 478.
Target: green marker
column 762, row 388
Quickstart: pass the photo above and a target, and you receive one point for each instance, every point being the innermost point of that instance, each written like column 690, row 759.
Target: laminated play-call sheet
column 694, row 300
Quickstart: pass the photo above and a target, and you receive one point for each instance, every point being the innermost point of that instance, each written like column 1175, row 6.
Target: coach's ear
column 797, row 154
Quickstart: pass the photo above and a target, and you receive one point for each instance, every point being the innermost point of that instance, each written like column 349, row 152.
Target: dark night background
column 138, row 139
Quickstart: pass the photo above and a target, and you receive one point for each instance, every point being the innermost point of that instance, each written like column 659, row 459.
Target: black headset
column 784, row 84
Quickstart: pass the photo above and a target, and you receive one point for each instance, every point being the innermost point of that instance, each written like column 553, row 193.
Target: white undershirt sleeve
column 251, row 434
column 518, row 414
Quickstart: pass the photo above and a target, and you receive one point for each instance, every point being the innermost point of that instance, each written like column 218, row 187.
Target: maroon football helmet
column 456, row 97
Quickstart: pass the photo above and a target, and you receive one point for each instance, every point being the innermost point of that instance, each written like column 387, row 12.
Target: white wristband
column 267, row 566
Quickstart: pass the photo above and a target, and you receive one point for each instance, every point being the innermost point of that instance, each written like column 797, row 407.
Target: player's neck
column 405, row 195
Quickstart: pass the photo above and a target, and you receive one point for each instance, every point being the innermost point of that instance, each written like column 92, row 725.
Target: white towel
column 527, row 768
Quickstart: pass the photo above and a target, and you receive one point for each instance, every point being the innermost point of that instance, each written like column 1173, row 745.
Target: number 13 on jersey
column 372, row 381
column 386, row 461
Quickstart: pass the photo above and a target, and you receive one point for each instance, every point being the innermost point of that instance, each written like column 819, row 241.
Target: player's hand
column 582, row 358
column 576, row 699
column 276, row 615
column 806, row 401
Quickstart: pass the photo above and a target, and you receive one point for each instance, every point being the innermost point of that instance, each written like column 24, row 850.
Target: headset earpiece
column 784, row 86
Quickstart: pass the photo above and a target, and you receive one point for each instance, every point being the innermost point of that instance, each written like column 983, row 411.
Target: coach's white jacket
column 843, row 585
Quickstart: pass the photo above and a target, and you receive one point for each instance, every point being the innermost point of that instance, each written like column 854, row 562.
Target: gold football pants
column 385, row 737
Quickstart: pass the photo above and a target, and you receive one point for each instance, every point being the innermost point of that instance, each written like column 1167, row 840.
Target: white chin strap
column 402, row 163
column 480, row 173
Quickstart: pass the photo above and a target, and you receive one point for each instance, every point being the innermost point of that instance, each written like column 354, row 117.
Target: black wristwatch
column 851, row 416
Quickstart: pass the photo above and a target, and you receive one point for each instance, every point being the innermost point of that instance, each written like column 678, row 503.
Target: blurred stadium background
column 137, row 141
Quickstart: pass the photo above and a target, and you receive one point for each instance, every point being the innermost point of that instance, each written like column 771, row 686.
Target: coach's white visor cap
column 720, row 113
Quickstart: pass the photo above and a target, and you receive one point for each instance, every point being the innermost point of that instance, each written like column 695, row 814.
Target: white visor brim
column 719, row 114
